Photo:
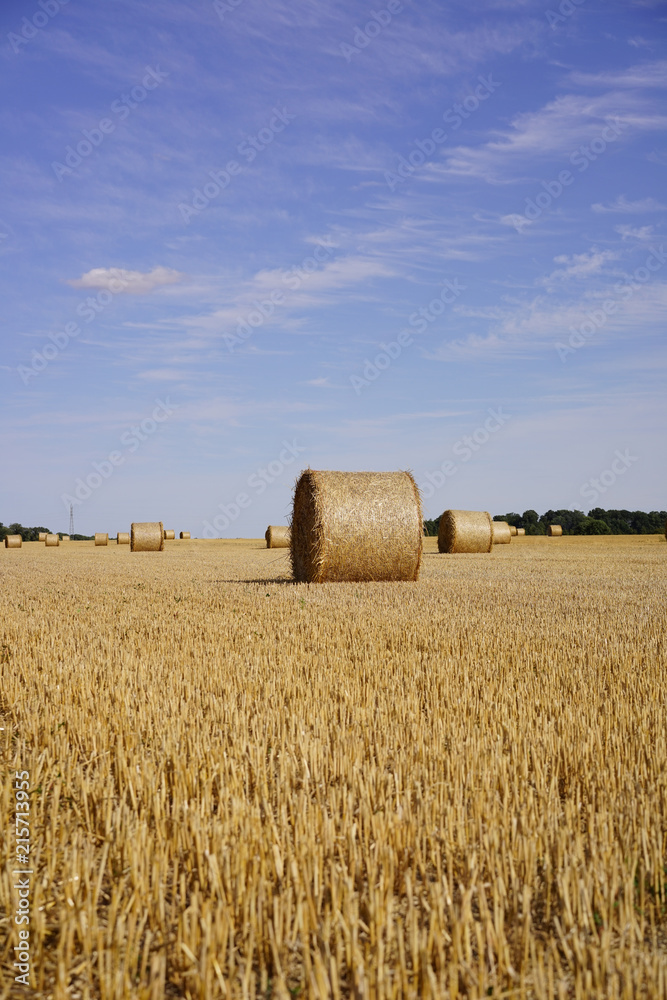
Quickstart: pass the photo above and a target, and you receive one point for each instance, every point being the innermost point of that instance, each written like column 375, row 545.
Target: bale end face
column 356, row 527
column 501, row 533
column 52, row 541
column 13, row 541
column 277, row 536
column 469, row 531
column 147, row 536
column 101, row 538
column 184, row 534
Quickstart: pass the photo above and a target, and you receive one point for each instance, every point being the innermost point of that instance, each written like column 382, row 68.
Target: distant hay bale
column 65, row 538
column 465, row 531
column 51, row 540
column 554, row 530
column 13, row 541
column 521, row 531
column 501, row 533
column 101, row 538
column 42, row 536
column 146, row 536
column 356, row 526
column 184, row 534
column 169, row 535
column 512, row 530
column 277, row 537
column 123, row 538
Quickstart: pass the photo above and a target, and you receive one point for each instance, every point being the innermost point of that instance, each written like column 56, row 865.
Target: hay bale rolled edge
column 13, row 541
column 123, row 538
column 356, row 527
column 146, row 536
column 169, row 534
column 501, row 533
column 184, row 534
column 277, row 536
column 52, row 541
column 101, row 538
column 465, row 531
column 554, row 530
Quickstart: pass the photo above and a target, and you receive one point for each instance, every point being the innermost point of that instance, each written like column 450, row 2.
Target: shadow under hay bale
column 465, row 531
column 277, row 536
column 13, row 541
column 501, row 533
column 554, row 530
column 356, row 526
column 184, row 534
column 101, row 538
column 52, row 541
column 146, row 536
column 123, row 538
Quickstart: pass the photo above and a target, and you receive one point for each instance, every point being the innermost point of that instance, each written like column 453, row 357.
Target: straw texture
column 41, row 536
column 277, row 536
column 65, row 538
column 184, row 534
column 51, row 540
column 169, row 534
column 123, row 538
column 101, row 538
column 554, row 530
column 465, row 531
column 146, row 536
column 512, row 530
column 13, row 541
column 356, row 526
column 521, row 531
column 501, row 533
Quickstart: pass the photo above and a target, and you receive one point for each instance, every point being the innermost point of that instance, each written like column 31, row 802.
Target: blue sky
column 241, row 238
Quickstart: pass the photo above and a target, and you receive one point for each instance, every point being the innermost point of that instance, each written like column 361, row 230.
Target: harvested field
column 246, row 787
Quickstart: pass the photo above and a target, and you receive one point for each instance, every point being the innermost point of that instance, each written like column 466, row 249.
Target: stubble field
column 243, row 787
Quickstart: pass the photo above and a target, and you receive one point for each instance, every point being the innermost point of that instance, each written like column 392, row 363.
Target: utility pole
column 71, row 519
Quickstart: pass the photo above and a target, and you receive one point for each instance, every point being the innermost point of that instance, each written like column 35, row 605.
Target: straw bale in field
column 170, row 534
column 184, row 534
column 101, row 538
column 512, row 530
column 65, row 538
column 465, row 531
column 277, row 536
column 356, row 526
column 521, row 531
column 42, row 536
column 554, row 530
column 13, row 541
column 51, row 540
column 501, row 533
column 123, row 538
column 146, row 536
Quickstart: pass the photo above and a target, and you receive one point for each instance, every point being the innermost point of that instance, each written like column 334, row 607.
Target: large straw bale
column 184, row 534
column 356, row 526
column 521, row 531
column 146, row 536
column 465, row 531
column 554, row 530
column 501, row 533
column 123, row 538
column 277, row 536
column 101, row 538
column 52, row 540
column 42, row 536
column 512, row 530
column 13, row 541
column 170, row 534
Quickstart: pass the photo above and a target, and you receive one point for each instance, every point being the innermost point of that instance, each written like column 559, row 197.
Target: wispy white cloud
column 623, row 206
column 579, row 265
column 122, row 282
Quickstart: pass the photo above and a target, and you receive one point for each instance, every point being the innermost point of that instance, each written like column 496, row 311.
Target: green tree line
column 575, row 522
column 32, row 534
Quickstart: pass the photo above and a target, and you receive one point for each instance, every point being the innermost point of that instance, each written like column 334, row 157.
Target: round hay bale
column 51, row 540
column 554, row 531
column 465, row 531
column 277, row 537
column 501, row 533
column 123, row 538
column 64, row 538
column 184, row 534
column 42, row 536
column 13, row 541
column 356, row 526
column 101, row 538
column 521, row 531
column 170, row 535
column 512, row 530
column 146, row 536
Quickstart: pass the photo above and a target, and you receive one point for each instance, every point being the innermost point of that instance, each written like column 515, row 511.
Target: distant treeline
column 32, row 534
column 575, row 522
